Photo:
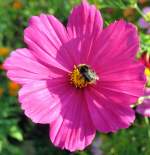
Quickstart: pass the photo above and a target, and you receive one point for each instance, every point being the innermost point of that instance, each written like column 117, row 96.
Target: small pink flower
column 145, row 22
column 78, row 79
column 144, row 108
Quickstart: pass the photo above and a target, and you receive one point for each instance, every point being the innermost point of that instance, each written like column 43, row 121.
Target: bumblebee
column 88, row 74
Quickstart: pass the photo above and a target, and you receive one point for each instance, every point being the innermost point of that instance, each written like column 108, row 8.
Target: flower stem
column 139, row 10
column 96, row 4
column 147, row 123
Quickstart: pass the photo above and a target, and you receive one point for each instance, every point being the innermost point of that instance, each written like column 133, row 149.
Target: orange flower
column 1, row 67
column 1, row 91
column 143, row 1
column 13, row 88
column 17, row 4
column 4, row 51
column 128, row 12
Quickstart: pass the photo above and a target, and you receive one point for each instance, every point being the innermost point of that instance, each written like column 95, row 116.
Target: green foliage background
column 18, row 135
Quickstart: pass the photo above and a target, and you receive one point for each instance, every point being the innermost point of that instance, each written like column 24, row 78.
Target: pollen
column 82, row 75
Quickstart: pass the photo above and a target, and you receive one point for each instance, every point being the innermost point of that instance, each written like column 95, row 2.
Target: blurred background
column 18, row 135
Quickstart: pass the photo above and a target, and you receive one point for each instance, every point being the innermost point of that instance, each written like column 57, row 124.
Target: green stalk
column 148, row 125
column 139, row 10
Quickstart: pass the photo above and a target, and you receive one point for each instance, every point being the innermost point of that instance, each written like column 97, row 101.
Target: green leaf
column 145, row 42
column 16, row 133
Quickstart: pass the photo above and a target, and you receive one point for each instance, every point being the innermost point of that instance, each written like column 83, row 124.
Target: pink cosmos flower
column 78, row 79
column 144, row 108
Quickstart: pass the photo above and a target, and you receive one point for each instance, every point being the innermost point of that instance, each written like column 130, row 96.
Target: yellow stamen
column 77, row 79
column 82, row 75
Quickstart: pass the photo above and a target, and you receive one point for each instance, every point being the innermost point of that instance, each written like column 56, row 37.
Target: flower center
column 147, row 17
column 82, row 75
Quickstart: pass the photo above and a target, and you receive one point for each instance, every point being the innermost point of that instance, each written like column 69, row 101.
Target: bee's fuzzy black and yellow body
column 89, row 75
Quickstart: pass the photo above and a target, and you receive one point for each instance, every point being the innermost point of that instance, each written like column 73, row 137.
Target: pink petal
column 123, row 92
column 147, row 92
column 73, row 129
column 22, row 67
column 40, row 100
column 131, row 67
column 146, row 10
column 107, row 115
column 118, row 43
column 73, row 51
column 143, row 24
column 77, row 50
column 121, row 77
column 45, row 35
column 144, row 108
column 122, row 84
column 85, row 19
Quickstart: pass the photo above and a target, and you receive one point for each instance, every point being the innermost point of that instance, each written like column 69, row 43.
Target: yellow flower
column 17, row 4
column 1, row 91
column 4, row 51
column 13, row 88
column 147, row 17
column 147, row 72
